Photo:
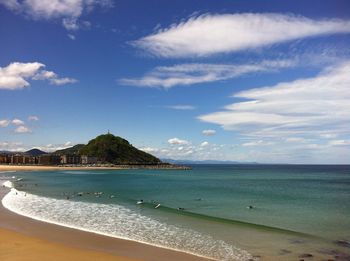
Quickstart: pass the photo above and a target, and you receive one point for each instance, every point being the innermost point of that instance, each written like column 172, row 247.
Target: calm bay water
column 296, row 208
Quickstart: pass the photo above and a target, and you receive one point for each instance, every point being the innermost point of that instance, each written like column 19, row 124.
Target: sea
column 223, row 212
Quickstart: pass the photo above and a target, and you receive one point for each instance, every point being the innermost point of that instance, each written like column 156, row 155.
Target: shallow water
column 296, row 209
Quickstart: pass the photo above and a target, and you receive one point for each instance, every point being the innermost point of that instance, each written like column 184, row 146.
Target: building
column 88, row 159
column 30, row 160
column 70, row 159
column 17, row 159
column 5, row 159
column 49, row 159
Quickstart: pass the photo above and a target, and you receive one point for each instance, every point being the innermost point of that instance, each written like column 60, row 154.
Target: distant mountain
column 32, row 152
column 190, row 162
column 71, row 150
column 111, row 149
column 35, row 152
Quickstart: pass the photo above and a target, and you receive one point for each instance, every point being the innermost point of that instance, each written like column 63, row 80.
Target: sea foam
column 8, row 184
column 120, row 222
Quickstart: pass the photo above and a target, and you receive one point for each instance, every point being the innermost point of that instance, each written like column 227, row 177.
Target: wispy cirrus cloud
column 16, row 75
column 209, row 132
column 194, row 73
column 213, row 34
column 33, row 118
column 306, row 107
column 69, row 11
column 181, row 107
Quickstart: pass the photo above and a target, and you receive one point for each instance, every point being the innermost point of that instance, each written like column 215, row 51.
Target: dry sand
column 23, row 238
column 38, row 168
column 17, row 247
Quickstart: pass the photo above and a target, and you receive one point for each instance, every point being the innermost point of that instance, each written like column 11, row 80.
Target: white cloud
column 186, row 150
column 176, row 141
column 54, row 147
column 16, row 75
column 211, row 34
column 67, row 10
column 19, row 146
column 194, row 73
column 209, row 132
column 13, row 76
column 149, row 149
column 11, row 146
column 33, row 118
column 328, row 135
column 256, row 143
column 62, row 81
column 296, row 139
column 4, row 123
column 71, row 36
column 13, row 5
column 70, row 24
column 44, row 75
column 339, row 142
column 306, row 107
column 68, row 143
column 23, row 129
column 204, row 144
column 181, row 107
column 17, row 122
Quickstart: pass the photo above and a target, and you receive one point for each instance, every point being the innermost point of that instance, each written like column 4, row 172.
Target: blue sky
column 265, row 81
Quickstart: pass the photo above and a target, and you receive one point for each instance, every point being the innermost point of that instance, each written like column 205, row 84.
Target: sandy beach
column 15, row 246
column 46, row 168
column 23, row 238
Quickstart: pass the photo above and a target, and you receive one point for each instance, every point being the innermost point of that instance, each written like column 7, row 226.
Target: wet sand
column 23, row 238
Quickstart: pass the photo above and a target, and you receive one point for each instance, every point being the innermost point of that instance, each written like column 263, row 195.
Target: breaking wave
column 120, row 222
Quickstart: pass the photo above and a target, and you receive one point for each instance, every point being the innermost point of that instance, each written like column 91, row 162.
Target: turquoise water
column 296, row 208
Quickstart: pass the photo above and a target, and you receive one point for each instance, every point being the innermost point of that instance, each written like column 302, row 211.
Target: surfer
column 157, row 206
column 139, row 202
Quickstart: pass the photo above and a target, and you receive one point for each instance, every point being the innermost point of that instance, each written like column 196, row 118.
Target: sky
column 247, row 81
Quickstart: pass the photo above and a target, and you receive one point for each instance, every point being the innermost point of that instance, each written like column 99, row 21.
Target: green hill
column 112, row 149
column 71, row 150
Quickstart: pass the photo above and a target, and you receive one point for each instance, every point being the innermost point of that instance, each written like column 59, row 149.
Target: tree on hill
column 113, row 149
column 71, row 150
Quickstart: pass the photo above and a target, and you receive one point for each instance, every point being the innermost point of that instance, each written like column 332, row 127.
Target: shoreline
column 82, row 243
column 62, row 167
column 46, row 168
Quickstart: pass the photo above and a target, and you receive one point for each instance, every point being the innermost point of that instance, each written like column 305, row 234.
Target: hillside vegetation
column 112, row 149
